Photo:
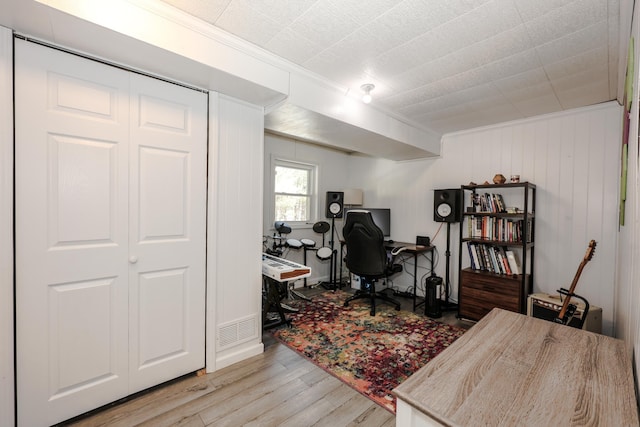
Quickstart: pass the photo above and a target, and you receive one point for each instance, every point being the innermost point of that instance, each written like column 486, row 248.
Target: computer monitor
column 381, row 217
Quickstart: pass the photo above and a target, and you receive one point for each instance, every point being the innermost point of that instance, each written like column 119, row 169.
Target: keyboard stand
column 271, row 303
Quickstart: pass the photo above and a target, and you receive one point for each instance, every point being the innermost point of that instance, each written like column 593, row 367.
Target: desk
column 415, row 250
column 514, row 370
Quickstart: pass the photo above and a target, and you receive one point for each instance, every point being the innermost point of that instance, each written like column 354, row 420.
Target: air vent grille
column 237, row 331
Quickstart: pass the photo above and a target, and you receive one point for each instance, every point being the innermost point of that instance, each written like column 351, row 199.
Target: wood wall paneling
column 238, row 222
column 7, row 399
column 572, row 157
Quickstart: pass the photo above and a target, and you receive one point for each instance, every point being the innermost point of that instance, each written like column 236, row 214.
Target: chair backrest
column 366, row 254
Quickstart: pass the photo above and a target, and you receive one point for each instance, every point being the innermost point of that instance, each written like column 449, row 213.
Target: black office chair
column 367, row 257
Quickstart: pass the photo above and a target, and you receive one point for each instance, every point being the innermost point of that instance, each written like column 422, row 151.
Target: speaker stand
column 446, row 305
column 332, row 284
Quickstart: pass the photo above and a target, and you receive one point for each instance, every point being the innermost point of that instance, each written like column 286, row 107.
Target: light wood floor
column 276, row 388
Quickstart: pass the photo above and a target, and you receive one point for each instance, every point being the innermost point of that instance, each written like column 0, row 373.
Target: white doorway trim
column 212, row 232
column 7, row 397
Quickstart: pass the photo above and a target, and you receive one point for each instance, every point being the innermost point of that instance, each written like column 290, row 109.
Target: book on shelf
column 502, row 229
column 494, row 259
column 491, row 202
column 514, row 262
column 502, row 256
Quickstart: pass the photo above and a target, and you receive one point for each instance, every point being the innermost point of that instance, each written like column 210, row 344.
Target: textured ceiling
column 446, row 65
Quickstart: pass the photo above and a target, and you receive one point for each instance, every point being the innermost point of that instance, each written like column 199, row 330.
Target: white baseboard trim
column 231, row 357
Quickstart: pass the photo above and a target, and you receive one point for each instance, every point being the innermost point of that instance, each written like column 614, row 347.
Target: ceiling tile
column 512, row 65
column 585, row 77
column 284, row 12
column 528, row 78
column 530, row 10
column 503, row 45
column 488, row 20
column 566, row 20
column 207, row 10
column 335, row 25
column 573, row 44
column 529, row 91
column 595, row 92
column 434, row 71
column 448, row 65
column 412, row 18
column 427, row 47
column 538, row 103
column 247, row 23
column 460, row 7
column 293, row 46
column 586, row 60
column 364, row 12
column 444, row 90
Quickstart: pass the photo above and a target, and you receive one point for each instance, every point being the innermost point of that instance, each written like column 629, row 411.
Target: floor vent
column 237, row 331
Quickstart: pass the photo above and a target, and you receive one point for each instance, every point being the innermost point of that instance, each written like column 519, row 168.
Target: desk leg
column 415, row 278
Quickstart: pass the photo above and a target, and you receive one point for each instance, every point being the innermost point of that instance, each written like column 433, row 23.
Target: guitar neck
column 567, row 300
column 586, row 259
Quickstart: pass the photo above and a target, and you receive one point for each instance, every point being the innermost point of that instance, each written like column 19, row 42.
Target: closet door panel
column 72, row 121
column 168, row 230
column 110, row 233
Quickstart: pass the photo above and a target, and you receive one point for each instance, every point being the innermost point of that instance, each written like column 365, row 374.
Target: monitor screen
column 381, row 217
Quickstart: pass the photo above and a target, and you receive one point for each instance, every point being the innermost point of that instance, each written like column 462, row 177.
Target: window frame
column 312, row 191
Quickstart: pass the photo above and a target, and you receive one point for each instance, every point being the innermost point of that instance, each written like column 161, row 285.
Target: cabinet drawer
column 490, row 299
column 490, row 283
column 481, row 292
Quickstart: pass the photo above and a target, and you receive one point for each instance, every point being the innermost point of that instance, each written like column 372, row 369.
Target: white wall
column 235, row 227
column 627, row 297
column 572, row 157
column 6, row 229
column 333, row 170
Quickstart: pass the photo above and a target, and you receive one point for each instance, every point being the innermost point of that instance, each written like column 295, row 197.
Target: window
column 293, row 189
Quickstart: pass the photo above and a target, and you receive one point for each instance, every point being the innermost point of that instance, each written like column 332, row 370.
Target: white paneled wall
column 6, row 228
column 628, row 286
column 235, row 226
column 333, row 170
column 572, row 157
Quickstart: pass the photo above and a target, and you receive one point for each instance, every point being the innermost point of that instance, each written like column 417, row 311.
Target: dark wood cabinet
column 496, row 220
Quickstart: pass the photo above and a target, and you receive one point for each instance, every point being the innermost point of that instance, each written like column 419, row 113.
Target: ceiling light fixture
column 367, row 88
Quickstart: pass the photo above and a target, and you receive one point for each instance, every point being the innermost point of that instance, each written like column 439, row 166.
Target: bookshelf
column 497, row 235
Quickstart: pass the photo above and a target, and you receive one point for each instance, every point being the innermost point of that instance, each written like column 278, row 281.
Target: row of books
column 490, row 202
column 494, row 259
column 491, row 228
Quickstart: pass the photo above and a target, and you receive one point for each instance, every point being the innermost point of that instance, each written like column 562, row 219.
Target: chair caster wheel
column 372, row 313
column 397, row 308
column 346, row 304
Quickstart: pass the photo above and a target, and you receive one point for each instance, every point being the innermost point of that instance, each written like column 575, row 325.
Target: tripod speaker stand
column 446, row 306
column 333, row 283
column 335, row 209
column 446, row 208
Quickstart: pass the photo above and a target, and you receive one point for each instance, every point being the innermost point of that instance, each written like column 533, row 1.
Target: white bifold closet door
column 110, row 233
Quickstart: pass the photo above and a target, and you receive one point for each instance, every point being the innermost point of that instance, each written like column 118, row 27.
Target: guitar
column 568, row 309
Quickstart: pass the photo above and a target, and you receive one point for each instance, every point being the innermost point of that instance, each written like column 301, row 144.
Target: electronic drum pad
column 321, row 227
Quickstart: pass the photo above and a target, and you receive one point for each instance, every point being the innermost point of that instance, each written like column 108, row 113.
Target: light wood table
column 514, row 370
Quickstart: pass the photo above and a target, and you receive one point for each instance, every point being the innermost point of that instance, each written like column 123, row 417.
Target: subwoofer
column 447, row 204
column 335, row 204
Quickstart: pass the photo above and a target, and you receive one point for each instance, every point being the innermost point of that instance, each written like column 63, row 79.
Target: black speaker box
column 335, row 204
column 423, row 241
column 447, row 205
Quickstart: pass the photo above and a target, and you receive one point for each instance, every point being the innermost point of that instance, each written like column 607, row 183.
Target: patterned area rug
column 372, row 354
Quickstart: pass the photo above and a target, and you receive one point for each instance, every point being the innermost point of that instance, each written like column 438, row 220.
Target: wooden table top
column 514, row 370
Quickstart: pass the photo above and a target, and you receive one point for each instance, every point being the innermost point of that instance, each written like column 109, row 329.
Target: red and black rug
column 372, row 354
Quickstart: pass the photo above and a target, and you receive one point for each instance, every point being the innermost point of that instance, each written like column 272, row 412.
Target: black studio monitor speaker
column 447, row 205
column 335, row 204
